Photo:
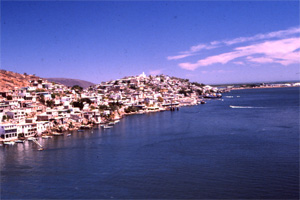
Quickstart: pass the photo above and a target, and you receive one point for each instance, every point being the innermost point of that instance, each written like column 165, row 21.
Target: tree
column 4, row 118
column 198, row 84
column 87, row 100
column 131, row 109
column 103, row 107
column 42, row 99
column 9, row 97
column 160, row 99
column 182, row 91
column 78, row 104
column 40, row 90
column 50, row 103
column 77, row 88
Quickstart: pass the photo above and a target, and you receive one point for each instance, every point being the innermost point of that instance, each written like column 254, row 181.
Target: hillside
column 9, row 80
column 71, row 82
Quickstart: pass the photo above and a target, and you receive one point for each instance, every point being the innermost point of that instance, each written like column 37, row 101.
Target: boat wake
column 245, row 107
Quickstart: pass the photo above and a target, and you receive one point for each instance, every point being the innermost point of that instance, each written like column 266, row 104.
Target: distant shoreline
column 266, row 87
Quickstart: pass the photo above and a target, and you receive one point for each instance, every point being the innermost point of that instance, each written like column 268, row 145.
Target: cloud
column 156, row 72
column 260, row 59
column 239, row 63
column 178, row 56
column 192, row 51
column 216, row 71
column 275, row 34
column 215, row 44
column 283, row 51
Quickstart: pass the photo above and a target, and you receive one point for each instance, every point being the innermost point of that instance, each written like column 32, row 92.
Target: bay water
column 245, row 145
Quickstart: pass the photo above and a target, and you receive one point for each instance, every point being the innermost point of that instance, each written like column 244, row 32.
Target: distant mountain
column 71, row 82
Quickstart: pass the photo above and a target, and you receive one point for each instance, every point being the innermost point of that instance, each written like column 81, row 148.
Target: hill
column 71, row 82
column 9, row 80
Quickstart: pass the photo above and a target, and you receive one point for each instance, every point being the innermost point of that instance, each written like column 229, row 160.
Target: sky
column 211, row 42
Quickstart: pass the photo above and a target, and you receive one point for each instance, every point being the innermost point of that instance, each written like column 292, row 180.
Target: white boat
column 69, row 135
column 20, row 141
column 9, row 143
column 31, row 138
column 57, row 134
column 46, row 136
column 106, row 126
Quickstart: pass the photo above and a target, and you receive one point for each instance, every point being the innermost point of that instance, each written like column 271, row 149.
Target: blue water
column 207, row 151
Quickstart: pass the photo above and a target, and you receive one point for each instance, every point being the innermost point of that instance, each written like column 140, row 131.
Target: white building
column 8, row 132
column 18, row 115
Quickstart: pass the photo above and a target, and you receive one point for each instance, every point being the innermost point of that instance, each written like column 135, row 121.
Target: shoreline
column 91, row 126
column 265, row 87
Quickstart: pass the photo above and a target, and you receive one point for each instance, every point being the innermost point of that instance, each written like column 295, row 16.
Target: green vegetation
column 4, row 118
column 160, row 99
column 131, row 109
column 50, row 103
column 103, row 107
column 80, row 103
column 40, row 90
column 198, row 84
column 42, row 99
column 77, row 88
column 9, row 97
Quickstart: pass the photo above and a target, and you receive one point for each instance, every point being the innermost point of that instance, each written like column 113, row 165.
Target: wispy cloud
column 178, row 56
column 275, row 34
column 283, row 51
column 156, row 72
column 193, row 50
column 215, row 44
column 239, row 63
column 216, row 71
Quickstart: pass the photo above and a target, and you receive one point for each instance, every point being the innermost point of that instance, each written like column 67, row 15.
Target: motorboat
column 9, row 143
column 107, row 126
column 46, row 136
column 20, row 141
column 31, row 138
column 57, row 134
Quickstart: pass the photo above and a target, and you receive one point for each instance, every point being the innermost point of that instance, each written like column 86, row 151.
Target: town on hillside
column 46, row 108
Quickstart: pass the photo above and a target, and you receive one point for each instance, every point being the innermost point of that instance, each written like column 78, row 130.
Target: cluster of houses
column 46, row 107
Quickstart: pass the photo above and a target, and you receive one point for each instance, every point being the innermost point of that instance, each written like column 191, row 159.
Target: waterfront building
column 8, row 132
